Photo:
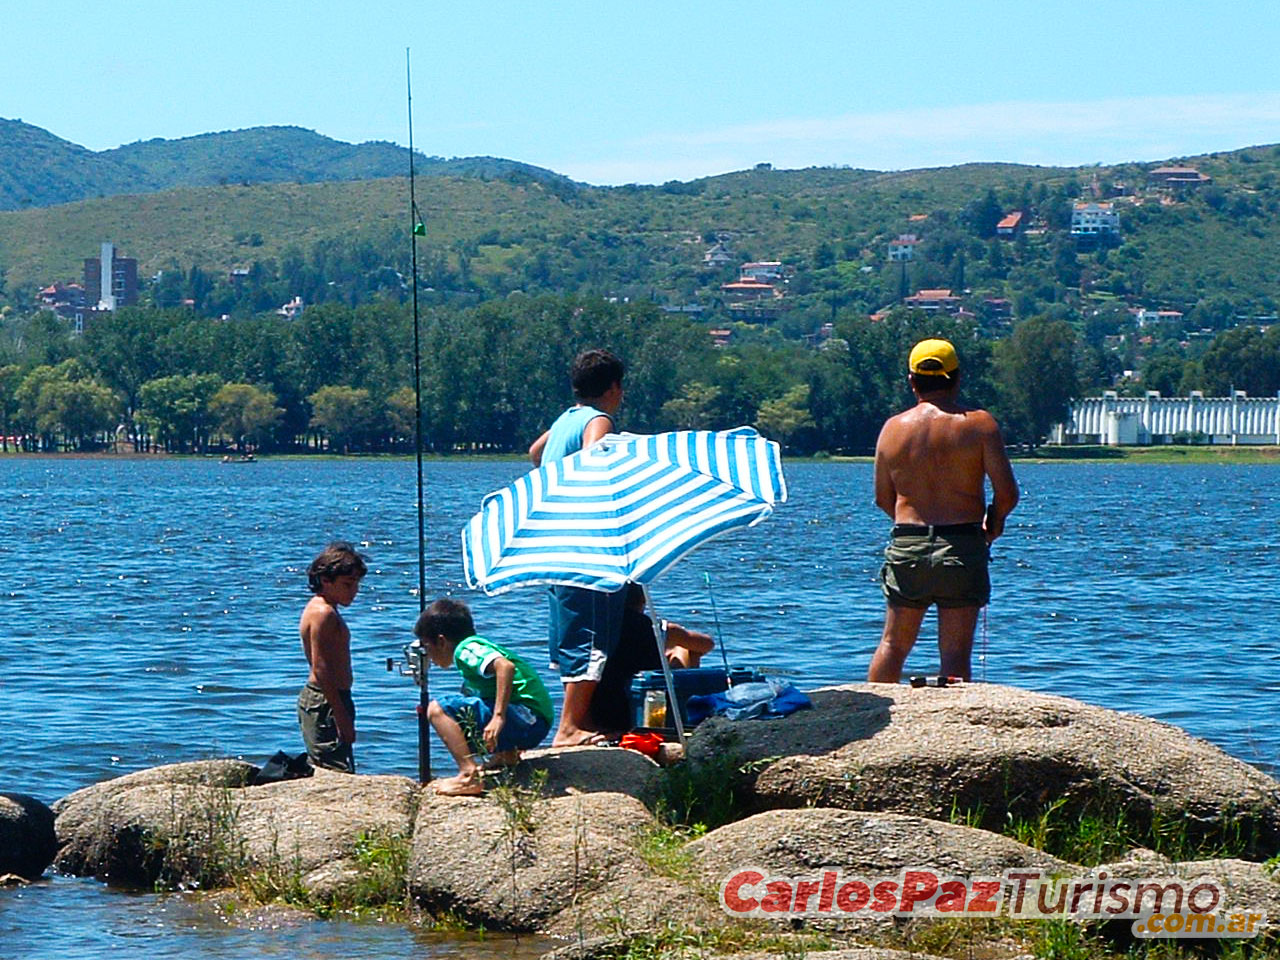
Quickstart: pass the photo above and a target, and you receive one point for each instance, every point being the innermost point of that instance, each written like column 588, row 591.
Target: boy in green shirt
column 503, row 708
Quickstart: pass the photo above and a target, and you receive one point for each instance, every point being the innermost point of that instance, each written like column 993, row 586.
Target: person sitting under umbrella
column 636, row 651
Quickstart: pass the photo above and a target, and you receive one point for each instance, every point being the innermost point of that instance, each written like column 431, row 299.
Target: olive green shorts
column 949, row 570
column 320, row 731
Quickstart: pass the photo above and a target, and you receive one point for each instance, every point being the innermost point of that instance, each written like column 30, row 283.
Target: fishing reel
column 413, row 664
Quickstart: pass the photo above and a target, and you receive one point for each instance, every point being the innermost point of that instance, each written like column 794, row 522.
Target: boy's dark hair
column 446, row 616
column 594, row 372
column 338, row 559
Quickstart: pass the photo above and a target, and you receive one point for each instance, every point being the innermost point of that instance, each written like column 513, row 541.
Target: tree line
column 493, row 376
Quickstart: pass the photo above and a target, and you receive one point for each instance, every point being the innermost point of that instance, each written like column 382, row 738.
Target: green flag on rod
column 419, row 229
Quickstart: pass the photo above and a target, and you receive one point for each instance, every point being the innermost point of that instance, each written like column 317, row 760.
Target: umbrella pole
column 672, row 702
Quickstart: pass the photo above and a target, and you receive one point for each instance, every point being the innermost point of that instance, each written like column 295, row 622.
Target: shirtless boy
column 931, row 467
column 326, row 712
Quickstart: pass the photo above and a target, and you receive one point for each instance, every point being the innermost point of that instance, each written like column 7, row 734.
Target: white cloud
column 1057, row 133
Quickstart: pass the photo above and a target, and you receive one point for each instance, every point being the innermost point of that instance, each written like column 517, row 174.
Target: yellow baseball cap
column 933, row 358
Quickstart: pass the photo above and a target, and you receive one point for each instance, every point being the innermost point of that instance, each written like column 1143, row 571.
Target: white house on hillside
column 1094, row 220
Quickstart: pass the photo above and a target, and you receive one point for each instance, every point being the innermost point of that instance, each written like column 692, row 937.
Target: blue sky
column 609, row 92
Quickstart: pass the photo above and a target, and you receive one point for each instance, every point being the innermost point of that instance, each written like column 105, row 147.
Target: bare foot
column 580, row 738
column 463, row 785
column 500, row 761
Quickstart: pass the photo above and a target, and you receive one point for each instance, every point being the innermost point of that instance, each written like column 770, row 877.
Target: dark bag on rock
column 283, row 767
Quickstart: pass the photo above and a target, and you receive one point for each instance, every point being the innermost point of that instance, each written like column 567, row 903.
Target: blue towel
column 748, row 701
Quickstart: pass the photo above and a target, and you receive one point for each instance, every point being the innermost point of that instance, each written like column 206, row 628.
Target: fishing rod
column 413, row 652
column 724, row 656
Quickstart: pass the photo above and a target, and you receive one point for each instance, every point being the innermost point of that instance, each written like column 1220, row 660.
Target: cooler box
column 696, row 680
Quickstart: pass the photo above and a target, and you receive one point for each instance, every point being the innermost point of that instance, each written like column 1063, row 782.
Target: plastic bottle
column 655, row 708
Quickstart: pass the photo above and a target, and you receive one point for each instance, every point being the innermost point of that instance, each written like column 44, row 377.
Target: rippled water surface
column 150, row 615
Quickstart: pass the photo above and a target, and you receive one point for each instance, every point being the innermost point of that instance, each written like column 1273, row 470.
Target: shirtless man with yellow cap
column 932, row 463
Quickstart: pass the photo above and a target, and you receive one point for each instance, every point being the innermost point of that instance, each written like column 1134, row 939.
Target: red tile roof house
column 933, row 300
column 749, row 289
column 1010, row 225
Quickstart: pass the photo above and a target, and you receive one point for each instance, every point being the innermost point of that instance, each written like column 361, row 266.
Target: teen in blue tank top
column 584, row 624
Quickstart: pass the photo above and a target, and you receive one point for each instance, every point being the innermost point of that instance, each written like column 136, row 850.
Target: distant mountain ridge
column 39, row 169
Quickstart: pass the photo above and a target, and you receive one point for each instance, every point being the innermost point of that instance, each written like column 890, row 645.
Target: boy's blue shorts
column 524, row 728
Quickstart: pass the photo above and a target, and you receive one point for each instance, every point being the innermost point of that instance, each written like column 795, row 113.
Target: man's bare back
column 931, row 464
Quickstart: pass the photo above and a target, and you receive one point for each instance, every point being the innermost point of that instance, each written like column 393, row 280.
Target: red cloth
column 646, row 743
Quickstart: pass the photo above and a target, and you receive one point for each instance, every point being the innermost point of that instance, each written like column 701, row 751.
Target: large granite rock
column 565, row 865
column 1246, row 886
column 28, row 840
column 793, row 842
column 83, row 804
column 989, row 751
column 175, row 825
column 571, row 770
column 859, row 845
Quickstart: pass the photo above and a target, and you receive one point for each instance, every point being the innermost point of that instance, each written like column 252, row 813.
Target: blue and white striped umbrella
column 625, row 509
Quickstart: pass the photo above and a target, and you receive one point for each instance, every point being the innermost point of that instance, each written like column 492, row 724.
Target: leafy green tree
column 693, row 409
column 246, row 413
column 748, row 375
column 176, row 409
column 344, row 413
column 786, row 418
column 401, row 409
column 78, row 409
column 1035, row 370
column 63, row 399
column 28, row 393
column 45, row 338
column 1164, row 369
column 983, row 214
column 10, row 378
column 1243, row 359
column 122, row 348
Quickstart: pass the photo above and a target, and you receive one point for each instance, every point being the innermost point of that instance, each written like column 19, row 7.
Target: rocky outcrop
column 563, row 865
column 859, row 845
column 28, row 840
column 84, row 832
column 1246, row 886
column 794, row 842
column 192, row 826
column 575, row 770
column 562, row 845
column 990, row 751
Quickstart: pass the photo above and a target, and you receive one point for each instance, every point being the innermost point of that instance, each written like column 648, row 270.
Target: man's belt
column 939, row 529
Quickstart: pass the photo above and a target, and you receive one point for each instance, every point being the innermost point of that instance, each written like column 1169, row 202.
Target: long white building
column 1142, row 421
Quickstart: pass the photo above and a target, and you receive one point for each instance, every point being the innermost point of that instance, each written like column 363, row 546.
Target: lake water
column 151, row 607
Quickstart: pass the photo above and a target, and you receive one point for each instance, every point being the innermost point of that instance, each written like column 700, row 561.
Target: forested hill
column 1214, row 250
column 38, row 169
